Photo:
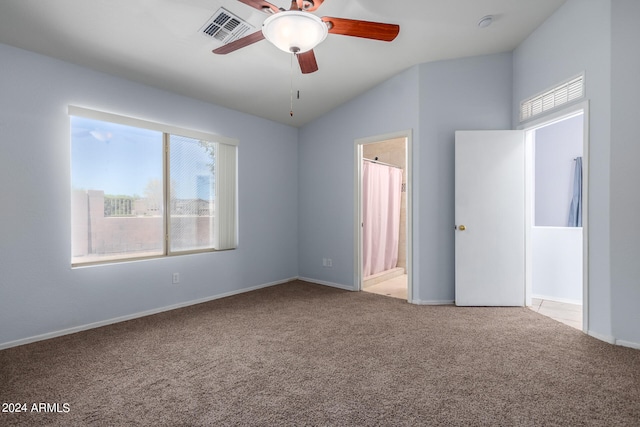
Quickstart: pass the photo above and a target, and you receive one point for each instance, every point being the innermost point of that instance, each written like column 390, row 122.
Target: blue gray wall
column 434, row 100
column 463, row 94
column 600, row 37
column 577, row 38
column 326, row 156
column 39, row 291
column 296, row 187
column 625, row 171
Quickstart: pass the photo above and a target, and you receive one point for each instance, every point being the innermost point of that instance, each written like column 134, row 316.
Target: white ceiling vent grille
column 225, row 26
column 561, row 94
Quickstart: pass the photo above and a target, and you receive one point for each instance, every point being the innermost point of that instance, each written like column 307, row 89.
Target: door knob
column 462, row 227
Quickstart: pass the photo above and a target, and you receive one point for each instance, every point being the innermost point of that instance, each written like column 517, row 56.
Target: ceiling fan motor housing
column 294, row 31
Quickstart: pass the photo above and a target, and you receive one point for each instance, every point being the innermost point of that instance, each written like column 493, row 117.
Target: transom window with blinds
column 561, row 94
column 142, row 189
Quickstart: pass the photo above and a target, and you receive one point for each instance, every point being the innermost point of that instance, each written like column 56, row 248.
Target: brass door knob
column 462, row 227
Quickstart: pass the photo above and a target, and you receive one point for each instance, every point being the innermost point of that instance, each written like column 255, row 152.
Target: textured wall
column 576, row 39
column 39, row 291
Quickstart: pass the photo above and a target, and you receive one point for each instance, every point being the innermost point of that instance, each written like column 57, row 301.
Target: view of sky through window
column 126, row 160
column 114, row 158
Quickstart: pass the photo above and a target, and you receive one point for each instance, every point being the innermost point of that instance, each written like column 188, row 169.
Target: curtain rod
column 381, row 163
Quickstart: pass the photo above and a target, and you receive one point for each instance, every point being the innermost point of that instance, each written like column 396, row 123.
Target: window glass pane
column 192, row 177
column 117, row 191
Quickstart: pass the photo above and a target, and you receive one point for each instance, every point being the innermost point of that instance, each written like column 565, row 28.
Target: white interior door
column 490, row 218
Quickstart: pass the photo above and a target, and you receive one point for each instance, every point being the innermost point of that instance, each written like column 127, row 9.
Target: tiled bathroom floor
column 569, row 314
column 395, row 287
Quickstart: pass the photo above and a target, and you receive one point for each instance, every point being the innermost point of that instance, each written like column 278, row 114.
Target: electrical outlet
column 327, row 262
column 176, row 278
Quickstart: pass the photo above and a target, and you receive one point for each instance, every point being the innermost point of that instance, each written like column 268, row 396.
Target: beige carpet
column 302, row 354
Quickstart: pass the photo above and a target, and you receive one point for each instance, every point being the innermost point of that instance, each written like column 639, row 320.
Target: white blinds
column 571, row 90
column 225, row 204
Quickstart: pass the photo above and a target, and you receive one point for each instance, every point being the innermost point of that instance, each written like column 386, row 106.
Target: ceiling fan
column 297, row 31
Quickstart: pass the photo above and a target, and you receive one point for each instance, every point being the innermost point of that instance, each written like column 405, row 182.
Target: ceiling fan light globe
column 294, row 31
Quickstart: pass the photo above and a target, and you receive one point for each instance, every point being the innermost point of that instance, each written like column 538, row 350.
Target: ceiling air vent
column 225, row 26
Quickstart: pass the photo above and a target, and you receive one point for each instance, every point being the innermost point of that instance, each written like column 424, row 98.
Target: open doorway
column 557, row 152
column 383, row 200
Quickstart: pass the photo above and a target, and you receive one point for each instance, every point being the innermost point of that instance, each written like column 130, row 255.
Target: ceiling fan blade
column 261, row 5
column 307, row 61
column 364, row 29
column 240, row 43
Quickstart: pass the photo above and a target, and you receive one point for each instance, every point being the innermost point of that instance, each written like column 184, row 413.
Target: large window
column 143, row 189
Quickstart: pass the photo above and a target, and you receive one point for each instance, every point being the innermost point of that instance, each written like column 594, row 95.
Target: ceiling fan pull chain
column 291, row 89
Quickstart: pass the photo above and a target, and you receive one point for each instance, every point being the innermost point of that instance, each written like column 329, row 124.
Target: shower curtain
column 381, row 195
column 575, row 210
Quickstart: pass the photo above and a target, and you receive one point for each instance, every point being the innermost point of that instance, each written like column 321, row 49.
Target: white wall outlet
column 326, row 262
column 175, row 279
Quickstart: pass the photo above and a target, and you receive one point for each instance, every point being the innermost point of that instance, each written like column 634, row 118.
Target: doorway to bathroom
column 557, row 157
column 383, row 200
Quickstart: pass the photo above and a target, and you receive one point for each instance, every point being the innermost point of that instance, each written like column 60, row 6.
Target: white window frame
column 226, row 235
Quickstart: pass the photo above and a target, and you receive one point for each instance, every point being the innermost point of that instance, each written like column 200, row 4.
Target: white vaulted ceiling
column 159, row 43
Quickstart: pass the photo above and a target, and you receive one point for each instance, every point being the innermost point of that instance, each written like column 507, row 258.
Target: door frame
column 357, row 221
column 529, row 127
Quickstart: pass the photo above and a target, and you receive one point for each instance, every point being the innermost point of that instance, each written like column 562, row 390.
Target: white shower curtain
column 381, row 195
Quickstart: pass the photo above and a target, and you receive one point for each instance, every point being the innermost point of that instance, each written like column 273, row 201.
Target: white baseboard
column 431, row 302
column 101, row 323
column 629, row 344
column 606, row 338
column 54, row 334
column 322, row 282
column 612, row 340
